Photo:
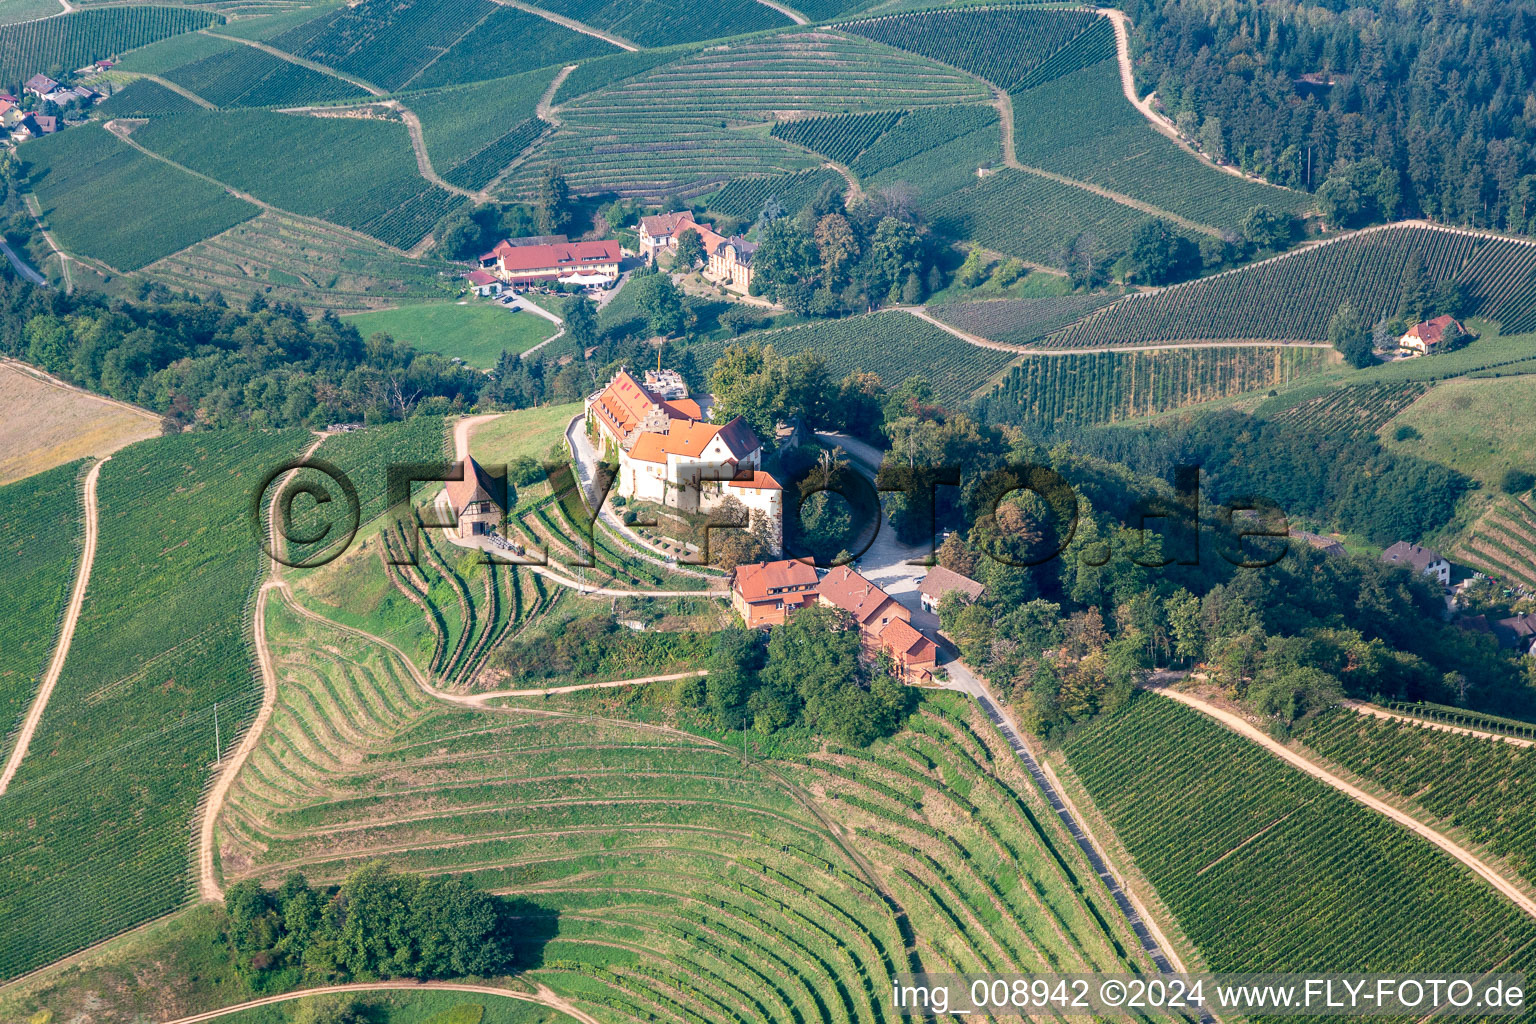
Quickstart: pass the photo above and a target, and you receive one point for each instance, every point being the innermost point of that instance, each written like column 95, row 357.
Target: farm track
column 1032, row 350
column 572, row 24
column 367, row 87
column 1375, row 711
column 207, row 875
column 1246, row 730
column 793, row 15
column 181, row 90
column 66, row 631
column 541, row 995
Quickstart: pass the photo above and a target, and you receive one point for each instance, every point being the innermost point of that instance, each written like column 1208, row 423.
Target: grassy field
column 50, row 425
column 477, row 331
column 530, row 432
column 96, row 824
column 1254, row 858
column 1478, row 427
column 40, row 537
column 103, row 199
column 317, row 266
column 377, row 190
column 12, row 11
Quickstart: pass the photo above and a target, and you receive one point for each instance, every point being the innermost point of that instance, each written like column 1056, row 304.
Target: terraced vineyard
column 1502, row 542
column 1019, row 321
column 1352, row 410
column 106, row 200
column 382, row 42
column 1255, row 858
column 509, row 41
column 1003, row 46
column 459, row 123
column 244, row 76
column 675, row 882
column 377, row 190
column 893, row 344
column 1484, row 788
column 1104, row 387
column 95, row 826
column 40, row 528
column 675, row 128
column 76, row 39
column 923, row 131
column 321, row 268
column 652, row 23
column 1293, row 297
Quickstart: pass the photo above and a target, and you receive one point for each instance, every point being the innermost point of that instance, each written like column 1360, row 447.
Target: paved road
column 23, row 268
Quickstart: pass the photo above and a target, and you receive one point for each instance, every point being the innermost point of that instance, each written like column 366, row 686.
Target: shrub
column 1406, row 433
column 1517, row 481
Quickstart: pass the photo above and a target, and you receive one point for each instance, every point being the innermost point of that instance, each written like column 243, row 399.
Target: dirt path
column 367, row 87
column 207, row 874
column 544, row 110
column 35, row 209
column 423, row 161
column 481, row 698
column 181, row 90
column 66, row 631
column 542, row 995
column 1027, row 350
column 1246, row 730
column 790, row 13
column 572, row 24
column 1375, row 711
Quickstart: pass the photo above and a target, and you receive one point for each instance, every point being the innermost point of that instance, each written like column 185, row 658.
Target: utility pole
column 218, row 747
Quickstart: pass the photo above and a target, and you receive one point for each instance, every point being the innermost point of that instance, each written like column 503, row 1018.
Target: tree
column 1348, row 333
column 1339, row 200
column 662, row 305
column 1159, row 254
column 733, row 667
column 1211, row 140
column 1517, row 481
column 972, row 270
column 739, row 319
column 1267, row 230
column 1008, row 271
column 837, row 245
column 690, row 250
column 1086, row 261
column 1414, row 293
column 552, row 196
column 895, row 253
column 580, row 316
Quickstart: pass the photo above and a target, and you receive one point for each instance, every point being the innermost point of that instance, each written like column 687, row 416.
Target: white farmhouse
column 669, row 455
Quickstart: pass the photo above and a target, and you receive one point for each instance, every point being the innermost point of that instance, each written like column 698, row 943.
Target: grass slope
column 1477, row 427
column 104, row 199
column 477, row 332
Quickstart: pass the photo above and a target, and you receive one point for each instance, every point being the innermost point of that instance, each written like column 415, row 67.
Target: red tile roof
column 901, row 639
column 853, row 593
column 477, row 485
column 941, row 581
column 624, row 404
column 762, row 481
column 664, row 224
column 739, row 438
column 560, row 256
column 1432, row 332
column 480, row 277
column 768, row 581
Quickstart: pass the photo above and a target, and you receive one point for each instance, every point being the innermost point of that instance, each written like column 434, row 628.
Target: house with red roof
column 483, row 282
column 670, row 454
column 1432, row 335
column 582, row 263
column 767, row 593
column 913, row 656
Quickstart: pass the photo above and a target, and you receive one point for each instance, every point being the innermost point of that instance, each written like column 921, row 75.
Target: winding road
column 1247, row 730
column 66, row 631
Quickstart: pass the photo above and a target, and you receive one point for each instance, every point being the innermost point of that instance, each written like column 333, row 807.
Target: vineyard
column 481, row 169
column 376, row 190
column 40, row 542
column 1355, row 410
column 1260, row 862
column 924, row 131
column 104, row 199
column 1080, row 125
column 839, row 137
column 144, row 98
column 1292, row 297
column 893, row 344
column 458, row 123
column 616, row 68
column 653, row 23
column 1485, row 788
column 95, row 826
column 317, row 266
column 1502, row 543
column 73, row 40
column 1021, row 214
column 1004, row 46
column 673, row 129
column 247, row 77
column 746, row 197
column 668, row 880
column 1019, row 321
column 1103, row 387
column 383, row 42
column 507, row 42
